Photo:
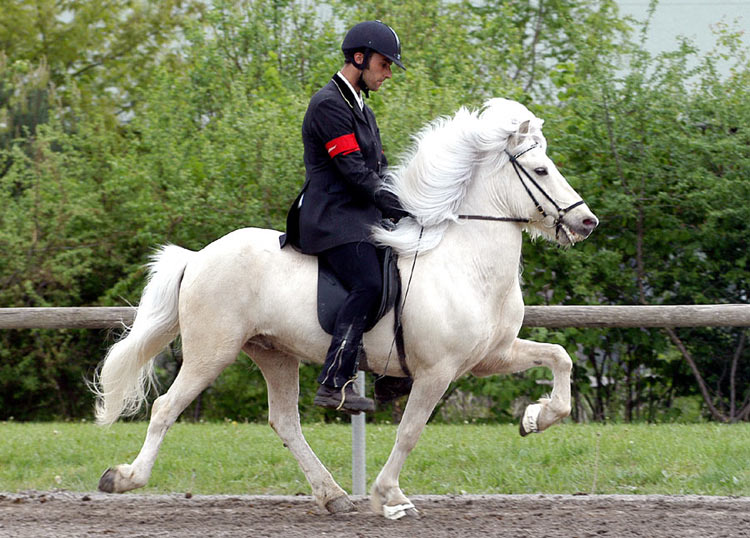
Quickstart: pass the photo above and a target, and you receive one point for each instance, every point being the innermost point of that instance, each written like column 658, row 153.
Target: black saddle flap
column 332, row 293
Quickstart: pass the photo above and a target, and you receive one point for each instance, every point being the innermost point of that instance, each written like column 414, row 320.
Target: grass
column 231, row 458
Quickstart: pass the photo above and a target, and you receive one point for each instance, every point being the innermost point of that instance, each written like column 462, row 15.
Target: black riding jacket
column 341, row 199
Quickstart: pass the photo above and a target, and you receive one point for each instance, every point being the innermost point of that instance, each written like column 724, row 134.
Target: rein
column 557, row 223
column 399, row 326
column 498, row 219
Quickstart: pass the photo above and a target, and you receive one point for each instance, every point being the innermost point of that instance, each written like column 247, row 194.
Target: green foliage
column 106, row 47
column 132, row 124
column 658, row 146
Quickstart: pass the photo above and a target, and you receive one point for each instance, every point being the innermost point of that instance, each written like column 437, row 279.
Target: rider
column 341, row 199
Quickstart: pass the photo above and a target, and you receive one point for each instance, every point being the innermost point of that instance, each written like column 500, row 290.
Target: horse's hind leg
column 282, row 377
column 199, row 369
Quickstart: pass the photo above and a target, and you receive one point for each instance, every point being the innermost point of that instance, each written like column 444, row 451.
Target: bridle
column 557, row 222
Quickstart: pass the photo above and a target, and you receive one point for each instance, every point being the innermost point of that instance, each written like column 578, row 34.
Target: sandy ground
column 66, row 514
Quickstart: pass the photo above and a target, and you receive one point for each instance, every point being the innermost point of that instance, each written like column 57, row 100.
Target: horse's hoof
column 523, row 432
column 529, row 420
column 400, row 510
column 340, row 505
column 107, row 481
column 413, row 512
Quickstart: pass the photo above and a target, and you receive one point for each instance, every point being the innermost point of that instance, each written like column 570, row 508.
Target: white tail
column 126, row 375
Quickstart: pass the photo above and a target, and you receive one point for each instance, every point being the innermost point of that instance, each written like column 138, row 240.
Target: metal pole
column 359, row 466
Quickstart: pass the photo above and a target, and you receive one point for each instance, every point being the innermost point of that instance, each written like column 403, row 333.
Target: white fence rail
column 725, row 315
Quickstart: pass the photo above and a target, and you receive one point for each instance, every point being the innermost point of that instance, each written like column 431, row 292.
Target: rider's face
column 377, row 71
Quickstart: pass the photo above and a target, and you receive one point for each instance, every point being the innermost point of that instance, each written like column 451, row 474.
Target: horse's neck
column 485, row 252
column 492, row 193
column 492, row 249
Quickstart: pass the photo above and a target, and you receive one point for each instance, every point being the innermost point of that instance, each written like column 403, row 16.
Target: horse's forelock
column 515, row 124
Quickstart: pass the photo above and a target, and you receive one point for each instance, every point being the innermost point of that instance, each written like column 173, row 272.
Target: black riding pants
column 357, row 267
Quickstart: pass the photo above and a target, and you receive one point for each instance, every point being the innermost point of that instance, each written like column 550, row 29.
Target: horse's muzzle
column 587, row 225
column 575, row 228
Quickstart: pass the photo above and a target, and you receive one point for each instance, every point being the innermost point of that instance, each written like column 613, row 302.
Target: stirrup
column 343, row 393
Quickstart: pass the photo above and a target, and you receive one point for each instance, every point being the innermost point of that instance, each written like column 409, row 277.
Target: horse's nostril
column 587, row 226
column 590, row 223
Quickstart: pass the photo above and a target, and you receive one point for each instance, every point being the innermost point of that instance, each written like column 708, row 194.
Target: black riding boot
column 336, row 380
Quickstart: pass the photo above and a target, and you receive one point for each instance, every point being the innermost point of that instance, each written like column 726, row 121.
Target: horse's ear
column 525, row 127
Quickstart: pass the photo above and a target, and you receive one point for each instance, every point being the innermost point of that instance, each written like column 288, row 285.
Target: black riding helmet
column 372, row 36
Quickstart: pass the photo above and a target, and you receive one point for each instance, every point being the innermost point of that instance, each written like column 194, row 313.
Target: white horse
column 473, row 183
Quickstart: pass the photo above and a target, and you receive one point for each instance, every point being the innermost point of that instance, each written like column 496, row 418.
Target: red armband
column 343, row 145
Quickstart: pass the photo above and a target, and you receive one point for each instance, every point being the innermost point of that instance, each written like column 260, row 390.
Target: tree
column 658, row 145
column 106, row 47
column 140, row 124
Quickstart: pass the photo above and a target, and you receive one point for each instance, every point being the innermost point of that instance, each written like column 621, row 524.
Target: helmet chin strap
column 363, row 85
column 362, row 66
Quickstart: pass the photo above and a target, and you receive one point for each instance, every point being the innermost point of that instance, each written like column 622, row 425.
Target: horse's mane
column 445, row 157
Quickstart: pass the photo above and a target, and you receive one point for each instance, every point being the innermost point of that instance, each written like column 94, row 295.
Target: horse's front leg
column 386, row 496
column 525, row 354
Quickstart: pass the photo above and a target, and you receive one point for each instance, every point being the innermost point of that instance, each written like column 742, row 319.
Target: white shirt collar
column 356, row 94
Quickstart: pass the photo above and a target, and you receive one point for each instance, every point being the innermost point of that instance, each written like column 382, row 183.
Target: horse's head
column 526, row 185
column 488, row 165
column 556, row 211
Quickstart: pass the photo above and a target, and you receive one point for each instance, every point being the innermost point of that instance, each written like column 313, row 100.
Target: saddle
column 331, row 296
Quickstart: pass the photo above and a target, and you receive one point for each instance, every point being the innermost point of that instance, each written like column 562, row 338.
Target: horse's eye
column 541, row 171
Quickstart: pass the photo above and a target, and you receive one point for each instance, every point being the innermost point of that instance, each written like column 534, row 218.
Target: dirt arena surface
column 65, row 514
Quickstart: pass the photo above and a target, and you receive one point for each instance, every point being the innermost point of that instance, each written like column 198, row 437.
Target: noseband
column 557, row 223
